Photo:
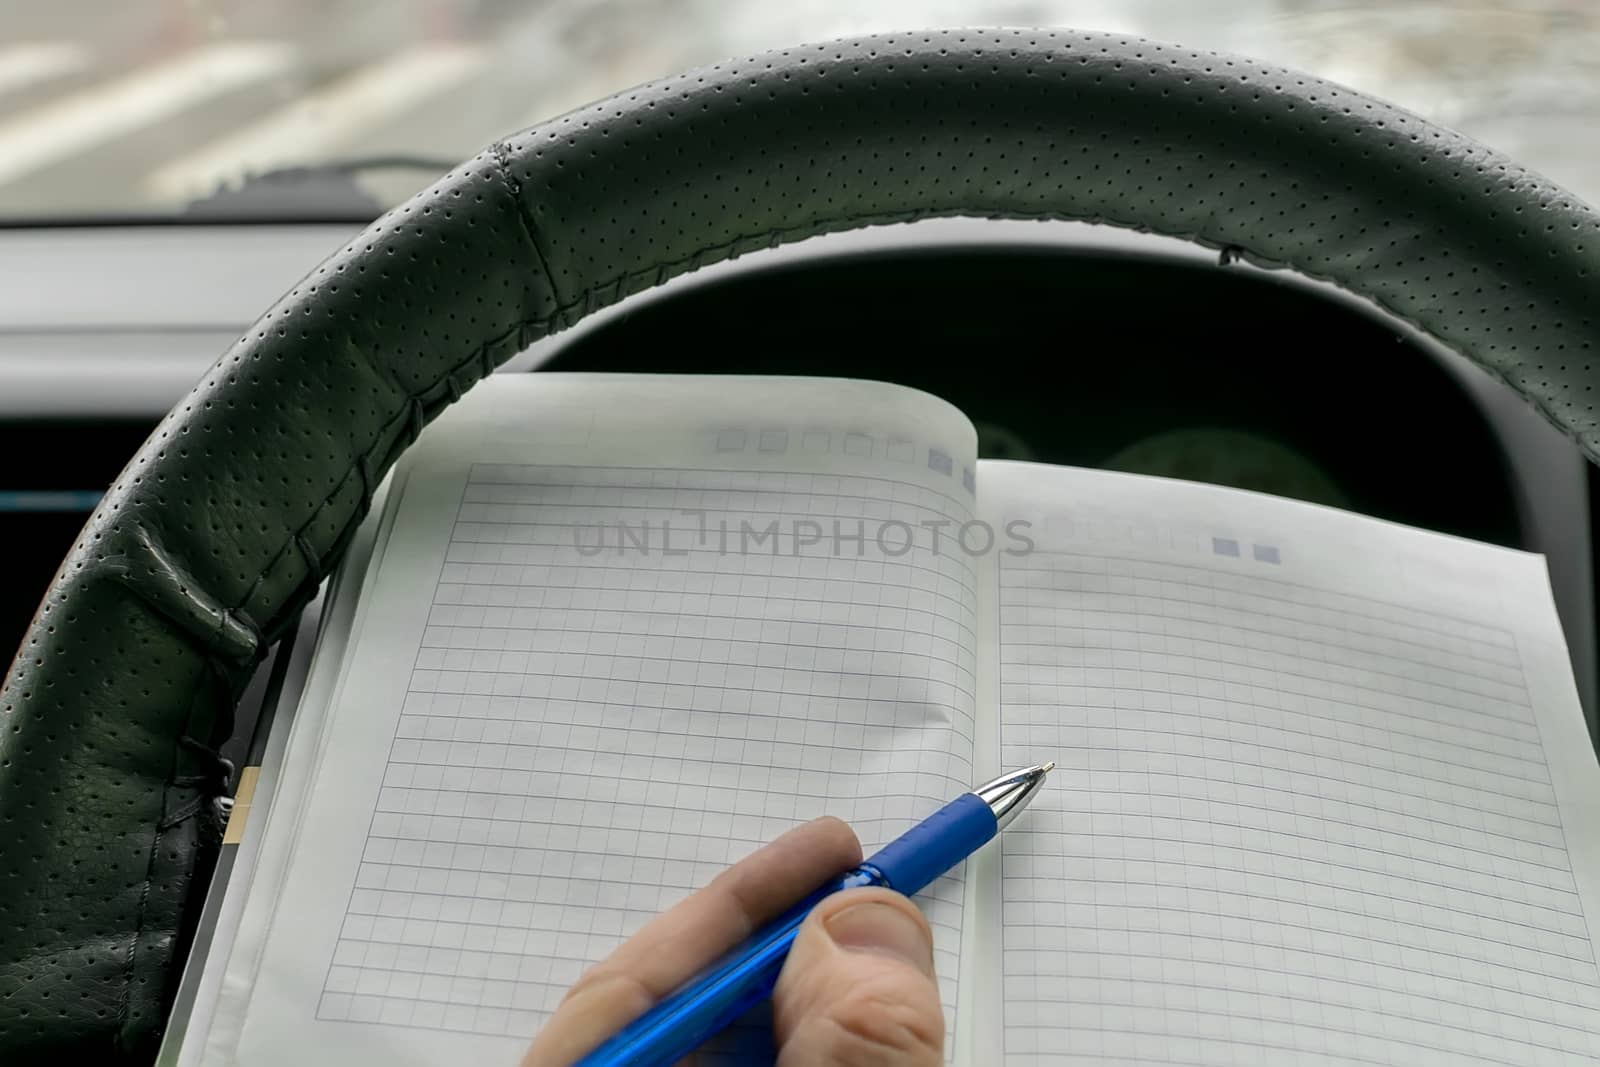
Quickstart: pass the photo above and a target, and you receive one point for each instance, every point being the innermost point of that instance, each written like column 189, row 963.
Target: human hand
column 858, row 988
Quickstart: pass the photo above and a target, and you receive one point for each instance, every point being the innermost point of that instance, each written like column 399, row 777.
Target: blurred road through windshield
column 139, row 107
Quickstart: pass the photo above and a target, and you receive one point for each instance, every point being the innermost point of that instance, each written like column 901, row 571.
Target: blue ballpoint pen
column 684, row 1019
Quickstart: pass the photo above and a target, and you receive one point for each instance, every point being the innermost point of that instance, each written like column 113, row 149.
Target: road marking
column 63, row 128
column 23, row 65
column 311, row 125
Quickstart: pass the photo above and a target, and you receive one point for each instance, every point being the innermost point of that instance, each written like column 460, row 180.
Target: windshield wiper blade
column 314, row 192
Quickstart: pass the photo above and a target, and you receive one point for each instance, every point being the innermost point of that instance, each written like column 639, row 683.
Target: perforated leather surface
column 238, row 505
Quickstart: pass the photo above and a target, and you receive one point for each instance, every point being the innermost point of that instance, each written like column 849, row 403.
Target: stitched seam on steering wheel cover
column 1480, row 265
column 254, row 485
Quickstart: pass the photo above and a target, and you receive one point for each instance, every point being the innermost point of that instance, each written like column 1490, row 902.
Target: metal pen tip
column 1008, row 794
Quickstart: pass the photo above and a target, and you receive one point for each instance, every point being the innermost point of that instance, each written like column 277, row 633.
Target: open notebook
column 1324, row 786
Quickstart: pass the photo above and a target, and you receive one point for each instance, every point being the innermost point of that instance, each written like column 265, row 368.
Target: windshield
column 339, row 108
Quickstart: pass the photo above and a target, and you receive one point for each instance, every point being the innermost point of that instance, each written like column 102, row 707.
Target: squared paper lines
column 1287, row 823
column 587, row 739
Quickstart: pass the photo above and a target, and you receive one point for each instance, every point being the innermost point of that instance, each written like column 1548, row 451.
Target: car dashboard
column 1066, row 343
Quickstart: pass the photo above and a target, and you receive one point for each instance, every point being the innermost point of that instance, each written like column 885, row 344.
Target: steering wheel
column 222, row 526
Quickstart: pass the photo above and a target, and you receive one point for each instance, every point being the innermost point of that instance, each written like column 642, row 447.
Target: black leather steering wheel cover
column 221, row 528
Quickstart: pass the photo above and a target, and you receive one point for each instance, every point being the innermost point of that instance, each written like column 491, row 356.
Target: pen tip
column 1048, row 767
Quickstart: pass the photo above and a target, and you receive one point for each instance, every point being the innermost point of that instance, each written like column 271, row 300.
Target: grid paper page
column 1289, row 820
column 586, row 739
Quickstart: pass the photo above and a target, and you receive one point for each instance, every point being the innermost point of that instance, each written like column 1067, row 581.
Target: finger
column 682, row 941
column 858, row 989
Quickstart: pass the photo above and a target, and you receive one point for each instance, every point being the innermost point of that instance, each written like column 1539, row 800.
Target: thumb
column 858, row 989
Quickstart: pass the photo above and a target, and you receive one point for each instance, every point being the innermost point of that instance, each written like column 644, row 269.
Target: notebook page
column 1325, row 792
column 552, row 725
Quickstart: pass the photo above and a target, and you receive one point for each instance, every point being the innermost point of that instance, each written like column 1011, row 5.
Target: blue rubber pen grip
column 935, row 845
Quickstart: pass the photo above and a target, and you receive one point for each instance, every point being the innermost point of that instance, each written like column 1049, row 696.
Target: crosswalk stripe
column 22, row 65
column 58, row 130
column 318, row 121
